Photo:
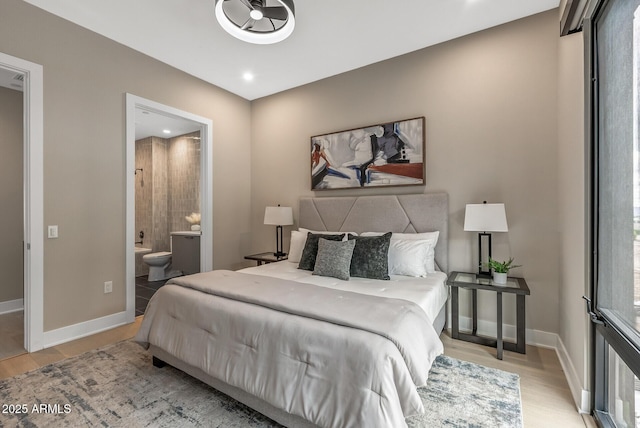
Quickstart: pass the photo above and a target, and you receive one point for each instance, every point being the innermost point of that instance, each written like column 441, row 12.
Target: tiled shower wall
column 160, row 196
column 144, row 198
column 167, row 190
column 144, row 189
column 184, row 179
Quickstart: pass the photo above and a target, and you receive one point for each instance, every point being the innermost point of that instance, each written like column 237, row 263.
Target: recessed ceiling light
column 166, row 131
column 248, row 76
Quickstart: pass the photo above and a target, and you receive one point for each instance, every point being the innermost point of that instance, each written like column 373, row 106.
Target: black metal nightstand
column 473, row 282
column 263, row 258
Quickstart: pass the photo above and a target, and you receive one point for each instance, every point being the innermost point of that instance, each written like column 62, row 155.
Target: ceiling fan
column 256, row 21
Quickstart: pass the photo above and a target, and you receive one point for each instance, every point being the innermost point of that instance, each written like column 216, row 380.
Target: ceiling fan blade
column 277, row 12
column 247, row 3
column 249, row 24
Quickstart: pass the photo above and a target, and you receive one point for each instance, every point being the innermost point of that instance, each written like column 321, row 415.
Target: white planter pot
column 499, row 278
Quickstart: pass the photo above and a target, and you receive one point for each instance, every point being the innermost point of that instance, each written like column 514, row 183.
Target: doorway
column 32, row 202
column 11, row 213
column 155, row 125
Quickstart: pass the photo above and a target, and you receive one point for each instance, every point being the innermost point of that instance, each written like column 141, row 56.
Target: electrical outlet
column 108, row 287
column 52, row 232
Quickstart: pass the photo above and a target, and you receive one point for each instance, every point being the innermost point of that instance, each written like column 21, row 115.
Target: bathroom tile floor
column 144, row 291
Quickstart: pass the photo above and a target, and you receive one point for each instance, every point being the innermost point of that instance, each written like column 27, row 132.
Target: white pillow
column 299, row 239
column 407, row 257
column 431, row 237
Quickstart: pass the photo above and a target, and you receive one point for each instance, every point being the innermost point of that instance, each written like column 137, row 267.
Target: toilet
column 158, row 264
column 184, row 256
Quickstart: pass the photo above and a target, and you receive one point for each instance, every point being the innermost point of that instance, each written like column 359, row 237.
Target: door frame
column 206, row 188
column 32, row 181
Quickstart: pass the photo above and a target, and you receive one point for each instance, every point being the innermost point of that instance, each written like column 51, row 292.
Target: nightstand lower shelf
column 488, row 341
column 518, row 286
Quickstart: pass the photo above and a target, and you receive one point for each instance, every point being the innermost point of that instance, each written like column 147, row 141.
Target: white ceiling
column 331, row 36
column 154, row 124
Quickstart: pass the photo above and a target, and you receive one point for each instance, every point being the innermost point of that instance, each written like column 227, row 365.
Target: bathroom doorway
column 24, row 302
column 167, row 200
column 11, row 213
column 168, row 196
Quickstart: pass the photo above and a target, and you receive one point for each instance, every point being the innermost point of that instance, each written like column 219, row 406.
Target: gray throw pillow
column 371, row 256
column 334, row 258
column 308, row 258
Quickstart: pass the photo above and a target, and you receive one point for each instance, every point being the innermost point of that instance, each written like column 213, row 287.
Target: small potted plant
column 501, row 269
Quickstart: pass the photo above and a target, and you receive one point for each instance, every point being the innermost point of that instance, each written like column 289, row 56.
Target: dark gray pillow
column 371, row 256
column 334, row 258
column 308, row 258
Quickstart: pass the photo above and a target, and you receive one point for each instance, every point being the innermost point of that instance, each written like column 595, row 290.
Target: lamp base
column 484, row 243
column 279, row 254
column 484, row 274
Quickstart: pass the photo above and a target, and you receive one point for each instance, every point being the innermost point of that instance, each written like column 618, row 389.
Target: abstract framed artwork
column 387, row 154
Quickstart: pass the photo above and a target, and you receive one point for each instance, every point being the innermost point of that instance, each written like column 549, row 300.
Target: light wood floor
column 11, row 334
column 27, row 362
column 546, row 399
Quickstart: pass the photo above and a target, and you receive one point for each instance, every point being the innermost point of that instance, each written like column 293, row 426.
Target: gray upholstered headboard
column 393, row 213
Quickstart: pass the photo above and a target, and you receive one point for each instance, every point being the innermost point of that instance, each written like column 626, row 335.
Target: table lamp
column 278, row 216
column 485, row 218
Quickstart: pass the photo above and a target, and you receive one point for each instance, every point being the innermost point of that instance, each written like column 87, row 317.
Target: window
column 613, row 36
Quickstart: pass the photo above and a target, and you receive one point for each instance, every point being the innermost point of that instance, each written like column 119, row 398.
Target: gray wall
column 574, row 324
column 491, row 108
column 86, row 77
column 504, row 123
column 11, row 219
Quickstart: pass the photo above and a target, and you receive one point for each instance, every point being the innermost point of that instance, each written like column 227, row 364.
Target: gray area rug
column 117, row 386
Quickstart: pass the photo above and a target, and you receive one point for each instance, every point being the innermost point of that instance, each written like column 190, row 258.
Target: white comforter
column 333, row 357
column 429, row 293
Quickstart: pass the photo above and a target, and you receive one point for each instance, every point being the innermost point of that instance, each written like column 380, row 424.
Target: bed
column 308, row 350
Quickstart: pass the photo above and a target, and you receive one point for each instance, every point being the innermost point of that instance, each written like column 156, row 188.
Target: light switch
column 53, row 231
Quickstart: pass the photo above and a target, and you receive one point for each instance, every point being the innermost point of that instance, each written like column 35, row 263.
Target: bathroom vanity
column 185, row 248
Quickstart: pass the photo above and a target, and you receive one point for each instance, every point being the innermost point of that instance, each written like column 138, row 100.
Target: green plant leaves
column 501, row 267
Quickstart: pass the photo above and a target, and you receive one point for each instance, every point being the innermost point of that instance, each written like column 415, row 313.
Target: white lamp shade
column 278, row 216
column 485, row 218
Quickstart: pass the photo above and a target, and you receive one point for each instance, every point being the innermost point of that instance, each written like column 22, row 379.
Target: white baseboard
column 11, row 306
column 542, row 339
column 538, row 338
column 580, row 396
column 83, row 329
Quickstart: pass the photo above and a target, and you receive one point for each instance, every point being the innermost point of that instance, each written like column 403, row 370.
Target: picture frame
column 381, row 155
